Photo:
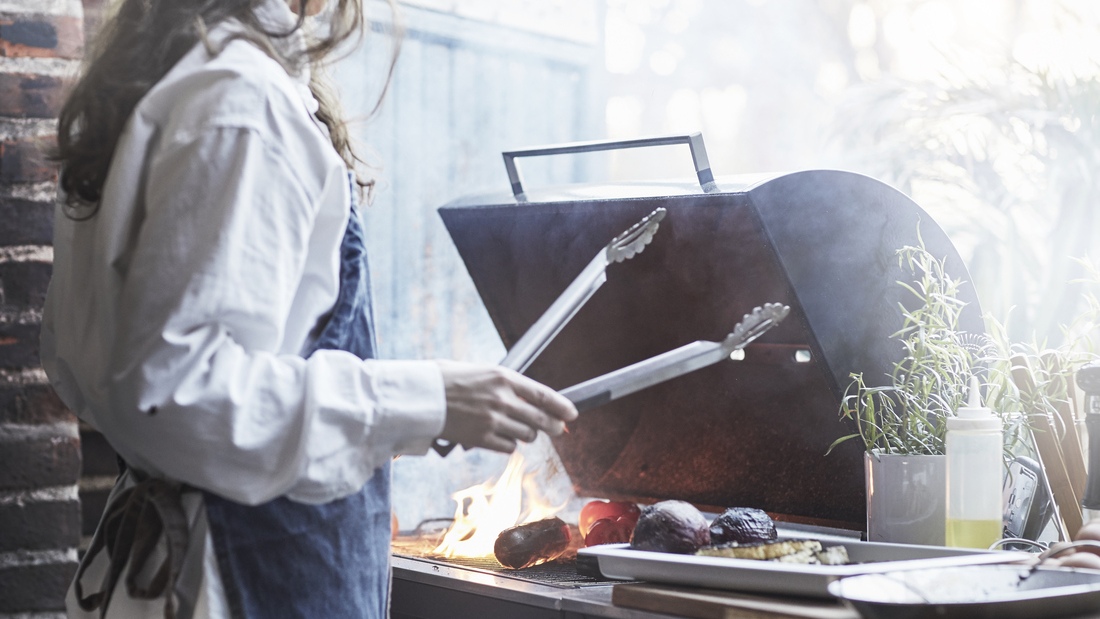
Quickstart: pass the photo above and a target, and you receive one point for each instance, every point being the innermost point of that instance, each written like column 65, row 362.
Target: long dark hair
column 137, row 48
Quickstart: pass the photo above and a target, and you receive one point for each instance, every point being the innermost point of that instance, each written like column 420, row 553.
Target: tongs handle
column 694, row 141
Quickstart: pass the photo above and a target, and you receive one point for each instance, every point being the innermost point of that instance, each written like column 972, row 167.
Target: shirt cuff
column 411, row 405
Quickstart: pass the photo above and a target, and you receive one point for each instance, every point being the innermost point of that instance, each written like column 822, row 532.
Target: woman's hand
column 1082, row 557
column 493, row 407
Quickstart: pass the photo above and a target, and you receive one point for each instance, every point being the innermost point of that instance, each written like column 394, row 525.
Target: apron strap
column 134, row 523
column 191, row 573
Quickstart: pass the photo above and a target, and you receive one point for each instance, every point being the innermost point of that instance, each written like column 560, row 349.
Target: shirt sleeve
column 198, row 391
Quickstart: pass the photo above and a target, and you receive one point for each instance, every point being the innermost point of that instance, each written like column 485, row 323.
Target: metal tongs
column 623, row 247
column 673, row 363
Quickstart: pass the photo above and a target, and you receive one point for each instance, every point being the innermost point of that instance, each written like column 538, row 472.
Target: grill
column 750, row 432
column 563, row 575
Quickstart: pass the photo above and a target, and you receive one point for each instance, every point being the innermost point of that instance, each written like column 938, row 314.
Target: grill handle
column 694, row 142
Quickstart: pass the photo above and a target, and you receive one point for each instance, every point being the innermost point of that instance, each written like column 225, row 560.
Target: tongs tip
column 755, row 324
column 631, row 242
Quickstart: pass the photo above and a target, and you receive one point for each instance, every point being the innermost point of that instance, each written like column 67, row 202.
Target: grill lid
column 751, row 432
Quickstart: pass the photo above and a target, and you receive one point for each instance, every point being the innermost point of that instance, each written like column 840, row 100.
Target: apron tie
column 134, row 522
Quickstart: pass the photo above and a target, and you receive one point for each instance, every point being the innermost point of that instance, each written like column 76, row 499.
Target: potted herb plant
column 903, row 423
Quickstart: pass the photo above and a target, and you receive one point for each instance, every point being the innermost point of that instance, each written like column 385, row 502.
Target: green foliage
column 908, row 415
column 1049, row 370
column 930, row 382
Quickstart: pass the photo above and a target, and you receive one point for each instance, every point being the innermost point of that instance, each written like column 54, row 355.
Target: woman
column 209, row 313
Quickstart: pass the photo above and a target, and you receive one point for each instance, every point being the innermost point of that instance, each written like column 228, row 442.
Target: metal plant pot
column 905, row 498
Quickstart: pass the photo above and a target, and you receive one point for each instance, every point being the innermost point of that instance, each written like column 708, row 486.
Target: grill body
column 752, row 432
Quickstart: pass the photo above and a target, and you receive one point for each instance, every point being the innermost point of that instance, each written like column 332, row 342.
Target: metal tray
column 620, row 562
column 974, row 592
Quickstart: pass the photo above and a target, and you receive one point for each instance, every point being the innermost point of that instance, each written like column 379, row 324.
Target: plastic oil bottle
column 974, row 472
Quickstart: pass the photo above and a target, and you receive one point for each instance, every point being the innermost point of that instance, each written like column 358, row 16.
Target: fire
column 486, row 509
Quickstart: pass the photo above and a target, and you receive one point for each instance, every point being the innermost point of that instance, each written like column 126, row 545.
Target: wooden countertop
column 711, row 604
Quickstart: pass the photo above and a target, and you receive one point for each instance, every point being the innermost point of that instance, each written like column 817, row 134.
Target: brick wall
column 41, row 42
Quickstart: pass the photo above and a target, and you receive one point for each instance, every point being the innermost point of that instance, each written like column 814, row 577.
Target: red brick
column 27, row 95
column 40, row 463
column 24, row 161
column 41, row 36
column 23, row 284
column 19, row 346
column 25, row 222
column 32, row 405
column 41, row 525
column 35, row 588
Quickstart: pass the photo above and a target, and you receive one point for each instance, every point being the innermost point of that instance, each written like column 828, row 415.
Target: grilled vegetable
column 761, row 551
column 671, row 526
column 610, row 531
column 833, row 555
column 596, row 510
column 806, row 551
column 743, row 525
column 532, row 543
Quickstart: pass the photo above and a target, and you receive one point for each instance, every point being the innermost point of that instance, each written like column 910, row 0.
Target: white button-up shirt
column 177, row 315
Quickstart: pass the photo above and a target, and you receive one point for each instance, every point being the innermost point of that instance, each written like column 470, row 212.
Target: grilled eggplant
column 671, row 526
column 742, row 525
column 532, row 543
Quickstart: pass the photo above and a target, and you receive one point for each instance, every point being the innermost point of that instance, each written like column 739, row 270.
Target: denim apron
column 288, row 559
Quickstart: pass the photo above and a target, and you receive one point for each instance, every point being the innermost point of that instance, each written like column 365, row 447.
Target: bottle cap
column 974, row 416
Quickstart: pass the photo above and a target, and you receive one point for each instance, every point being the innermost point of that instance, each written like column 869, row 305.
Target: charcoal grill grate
column 555, row 574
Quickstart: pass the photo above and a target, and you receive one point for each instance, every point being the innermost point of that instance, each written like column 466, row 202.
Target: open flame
column 486, row 509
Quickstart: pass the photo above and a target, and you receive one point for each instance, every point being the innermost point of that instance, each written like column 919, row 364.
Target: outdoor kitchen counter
column 424, row 589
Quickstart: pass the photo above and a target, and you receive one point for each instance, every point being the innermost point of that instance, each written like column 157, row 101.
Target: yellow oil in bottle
column 972, row 533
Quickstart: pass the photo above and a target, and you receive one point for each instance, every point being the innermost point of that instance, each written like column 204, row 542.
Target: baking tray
column 972, row 592
column 620, row 562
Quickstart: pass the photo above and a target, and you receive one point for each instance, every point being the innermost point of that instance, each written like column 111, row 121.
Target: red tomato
column 610, row 531
column 595, row 510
